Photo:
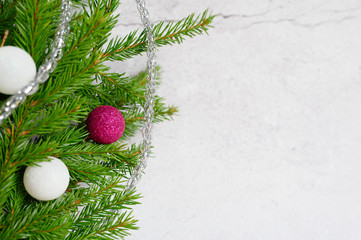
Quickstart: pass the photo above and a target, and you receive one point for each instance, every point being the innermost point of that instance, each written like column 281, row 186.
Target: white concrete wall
column 267, row 145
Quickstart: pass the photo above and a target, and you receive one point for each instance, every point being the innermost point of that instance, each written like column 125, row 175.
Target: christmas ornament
column 105, row 124
column 47, row 181
column 17, row 69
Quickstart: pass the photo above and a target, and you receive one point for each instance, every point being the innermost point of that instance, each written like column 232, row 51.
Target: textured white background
column 268, row 141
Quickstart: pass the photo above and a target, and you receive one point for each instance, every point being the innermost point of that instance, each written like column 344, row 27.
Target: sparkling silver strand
column 149, row 97
column 55, row 54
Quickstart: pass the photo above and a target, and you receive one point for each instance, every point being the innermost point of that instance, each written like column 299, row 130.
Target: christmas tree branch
column 33, row 26
column 7, row 18
column 52, row 121
column 132, row 45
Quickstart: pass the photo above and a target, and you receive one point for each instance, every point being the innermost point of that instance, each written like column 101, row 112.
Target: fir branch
column 42, row 213
column 51, row 122
column 7, row 19
column 134, row 116
column 98, row 213
column 132, row 45
column 33, row 25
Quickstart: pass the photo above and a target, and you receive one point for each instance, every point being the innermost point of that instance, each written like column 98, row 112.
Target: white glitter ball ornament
column 47, row 181
column 17, row 69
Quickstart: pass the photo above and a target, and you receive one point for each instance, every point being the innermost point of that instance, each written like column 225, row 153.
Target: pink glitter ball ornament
column 105, row 124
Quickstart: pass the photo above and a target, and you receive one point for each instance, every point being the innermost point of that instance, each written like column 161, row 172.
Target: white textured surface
column 268, row 141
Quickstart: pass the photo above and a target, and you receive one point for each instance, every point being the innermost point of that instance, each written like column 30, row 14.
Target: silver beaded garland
column 149, row 97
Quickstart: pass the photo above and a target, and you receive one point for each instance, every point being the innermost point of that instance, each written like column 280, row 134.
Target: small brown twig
column 6, row 34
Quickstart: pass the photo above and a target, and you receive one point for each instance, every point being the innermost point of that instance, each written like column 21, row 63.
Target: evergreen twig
column 51, row 122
